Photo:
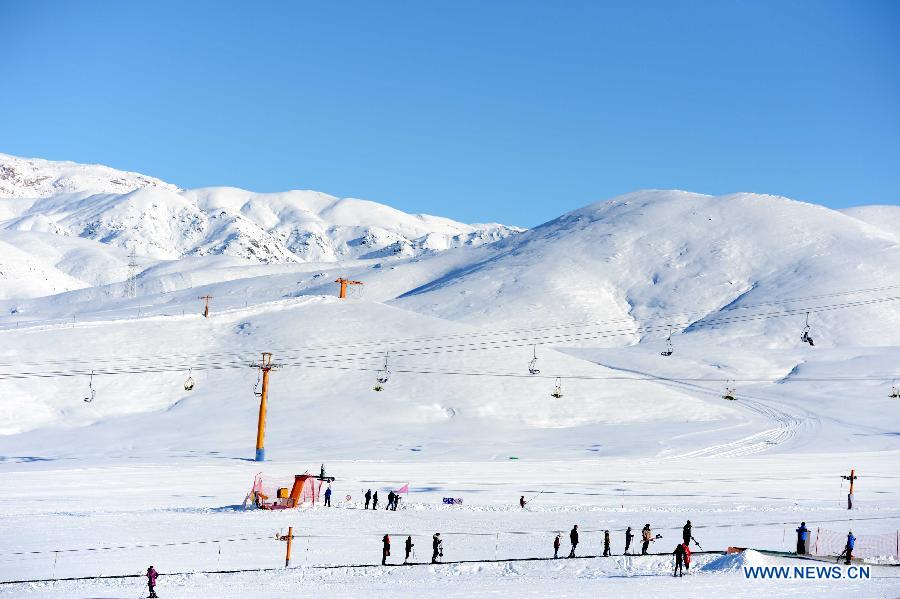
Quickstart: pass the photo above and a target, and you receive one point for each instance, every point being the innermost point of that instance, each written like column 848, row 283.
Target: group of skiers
column 803, row 543
column 393, row 500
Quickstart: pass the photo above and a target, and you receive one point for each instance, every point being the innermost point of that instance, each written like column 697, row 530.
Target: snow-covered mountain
column 161, row 221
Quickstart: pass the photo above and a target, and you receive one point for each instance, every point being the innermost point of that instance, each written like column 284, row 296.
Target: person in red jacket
column 386, row 549
column 151, row 581
column 687, row 557
column 556, row 547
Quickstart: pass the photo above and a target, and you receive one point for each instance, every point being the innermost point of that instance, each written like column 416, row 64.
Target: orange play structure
column 304, row 491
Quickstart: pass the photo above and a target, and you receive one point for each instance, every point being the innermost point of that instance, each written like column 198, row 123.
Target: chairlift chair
column 532, row 366
column 189, row 381
column 92, row 392
column 381, row 378
column 557, row 391
column 805, row 336
column 670, row 349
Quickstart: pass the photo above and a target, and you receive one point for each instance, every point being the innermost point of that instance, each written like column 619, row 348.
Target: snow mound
column 734, row 562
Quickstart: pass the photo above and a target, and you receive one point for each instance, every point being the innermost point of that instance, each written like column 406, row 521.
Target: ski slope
column 458, row 311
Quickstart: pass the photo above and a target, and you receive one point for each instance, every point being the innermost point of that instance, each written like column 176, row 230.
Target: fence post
column 816, row 547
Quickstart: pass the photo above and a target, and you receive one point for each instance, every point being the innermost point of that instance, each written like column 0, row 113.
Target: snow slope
column 161, row 221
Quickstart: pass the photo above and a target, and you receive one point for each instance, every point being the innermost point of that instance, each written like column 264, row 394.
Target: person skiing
column 386, row 549
column 437, row 548
column 573, row 538
column 368, row 498
column 606, row 552
column 390, row 502
column 556, row 544
column 687, row 557
column 646, row 536
column 686, row 533
column 679, row 560
column 409, row 546
column 628, row 537
column 848, row 548
column 151, row 581
column 522, row 502
column 802, row 538
column 328, row 496
column 375, row 500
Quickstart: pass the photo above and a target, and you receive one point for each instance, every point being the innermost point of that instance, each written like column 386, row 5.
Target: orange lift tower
column 265, row 366
column 343, row 283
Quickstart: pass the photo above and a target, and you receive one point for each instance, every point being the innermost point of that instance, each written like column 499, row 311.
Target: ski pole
column 535, row 497
column 696, row 543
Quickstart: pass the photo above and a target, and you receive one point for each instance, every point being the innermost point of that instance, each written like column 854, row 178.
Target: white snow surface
column 636, row 437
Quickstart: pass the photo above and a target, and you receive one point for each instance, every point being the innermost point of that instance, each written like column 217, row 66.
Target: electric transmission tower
column 131, row 281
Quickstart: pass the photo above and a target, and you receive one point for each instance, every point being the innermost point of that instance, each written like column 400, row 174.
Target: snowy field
column 148, row 472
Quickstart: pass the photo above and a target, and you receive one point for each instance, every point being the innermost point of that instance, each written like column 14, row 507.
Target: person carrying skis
column 556, row 544
column 328, row 496
column 437, row 548
column 606, row 552
column 573, row 538
column 368, row 498
column 646, row 536
column 375, row 500
column 522, row 502
column 628, row 537
column 802, row 539
column 386, row 549
column 409, row 546
column 151, row 581
column 679, row 560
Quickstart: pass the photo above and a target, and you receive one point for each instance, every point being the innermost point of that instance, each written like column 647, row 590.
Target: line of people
column 393, row 500
column 682, row 552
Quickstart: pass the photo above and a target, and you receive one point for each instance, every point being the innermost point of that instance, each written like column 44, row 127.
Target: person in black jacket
column 409, row 546
column 573, row 538
column 437, row 548
column 390, row 502
column 606, row 551
column 386, row 549
column 375, row 500
column 556, row 544
column 679, row 561
column 368, row 498
column 628, row 538
column 686, row 533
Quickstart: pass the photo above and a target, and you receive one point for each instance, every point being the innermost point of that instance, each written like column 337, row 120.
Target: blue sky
column 509, row 111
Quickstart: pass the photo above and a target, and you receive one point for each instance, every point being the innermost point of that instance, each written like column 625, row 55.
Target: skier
column 328, row 496
column 573, row 538
column 375, row 500
column 848, row 548
column 396, row 501
column 687, row 557
column 628, row 537
column 386, row 549
column 522, row 502
column 606, row 552
column 151, row 581
column 647, row 536
column 390, row 502
column 437, row 548
column 802, row 539
column 556, row 547
column 409, row 546
column 679, row 560
column 368, row 498
column 686, row 533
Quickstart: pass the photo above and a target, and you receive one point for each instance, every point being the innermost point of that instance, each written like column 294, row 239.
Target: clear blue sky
column 510, row 111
